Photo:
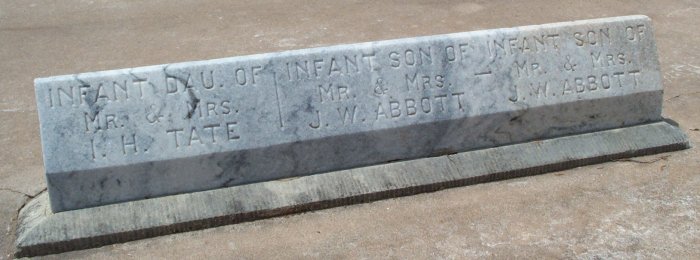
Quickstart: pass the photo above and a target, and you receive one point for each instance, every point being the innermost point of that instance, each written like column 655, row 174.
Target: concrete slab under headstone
column 42, row 232
column 139, row 133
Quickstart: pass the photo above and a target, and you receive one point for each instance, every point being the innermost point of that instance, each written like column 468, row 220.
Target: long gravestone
column 130, row 134
column 481, row 106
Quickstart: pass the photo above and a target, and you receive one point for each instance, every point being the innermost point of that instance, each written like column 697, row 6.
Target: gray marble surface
column 137, row 133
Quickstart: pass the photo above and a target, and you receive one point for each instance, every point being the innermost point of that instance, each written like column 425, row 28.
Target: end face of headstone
column 136, row 133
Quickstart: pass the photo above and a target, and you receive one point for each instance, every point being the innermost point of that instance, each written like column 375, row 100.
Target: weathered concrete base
column 41, row 232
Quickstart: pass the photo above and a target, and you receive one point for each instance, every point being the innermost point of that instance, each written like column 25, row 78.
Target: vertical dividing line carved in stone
column 277, row 95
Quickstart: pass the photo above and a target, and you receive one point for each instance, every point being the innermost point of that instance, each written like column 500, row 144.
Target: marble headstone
column 145, row 132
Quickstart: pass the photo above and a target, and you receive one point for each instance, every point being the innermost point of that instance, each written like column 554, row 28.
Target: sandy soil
column 643, row 207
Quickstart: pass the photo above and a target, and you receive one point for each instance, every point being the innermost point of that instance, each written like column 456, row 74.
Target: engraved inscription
column 238, row 104
column 201, row 125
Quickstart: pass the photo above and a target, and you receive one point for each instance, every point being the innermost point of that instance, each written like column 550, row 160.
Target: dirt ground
column 644, row 207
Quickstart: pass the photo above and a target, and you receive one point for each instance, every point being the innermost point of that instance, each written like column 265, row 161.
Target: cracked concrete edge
column 8, row 251
column 15, row 191
column 28, row 196
column 42, row 232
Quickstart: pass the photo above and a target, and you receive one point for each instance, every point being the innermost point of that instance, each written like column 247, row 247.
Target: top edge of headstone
column 331, row 47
